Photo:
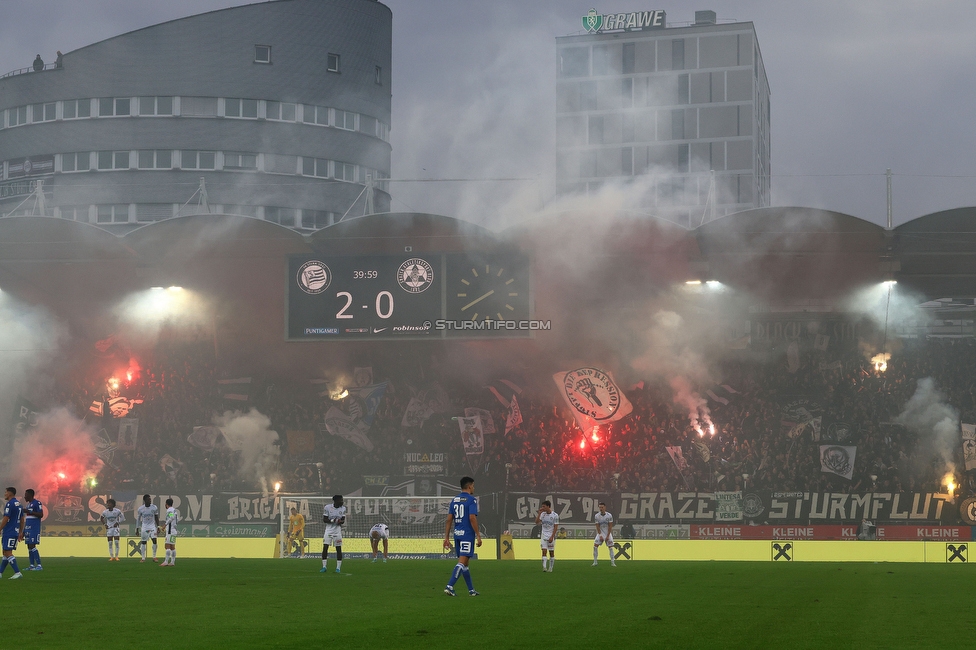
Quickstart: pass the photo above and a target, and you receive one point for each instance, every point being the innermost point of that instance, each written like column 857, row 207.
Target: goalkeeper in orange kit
column 296, row 533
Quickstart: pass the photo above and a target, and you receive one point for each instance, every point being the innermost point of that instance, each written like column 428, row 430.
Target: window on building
column 113, row 160
column 114, row 106
column 79, row 161
column 346, row 120
column 281, row 111
column 574, row 62
column 17, row 116
column 74, row 212
column 627, row 92
column 76, row 108
column 262, row 54
column 149, row 212
column 588, row 95
column 156, row 159
column 367, row 124
column 378, row 76
column 588, row 164
column 678, row 54
column 315, row 219
column 627, row 161
column 113, row 214
column 247, row 108
column 601, row 59
column 198, row 160
column 678, row 124
column 244, row 210
column 629, row 58
column 315, row 167
column 627, row 128
column 595, row 130
column 345, row 172
column 198, row 106
column 44, row 112
column 683, row 89
column 316, row 115
column 155, row 106
column 280, row 164
column 240, row 160
column 332, row 64
column 284, row 216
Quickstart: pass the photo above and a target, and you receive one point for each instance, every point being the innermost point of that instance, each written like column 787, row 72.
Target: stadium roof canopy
column 937, row 254
column 774, row 253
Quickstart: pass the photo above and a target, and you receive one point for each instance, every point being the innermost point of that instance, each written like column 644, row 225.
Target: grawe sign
column 594, row 22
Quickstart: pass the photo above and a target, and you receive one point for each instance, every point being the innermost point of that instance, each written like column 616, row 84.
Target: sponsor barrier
column 187, row 548
column 789, row 532
column 756, row 551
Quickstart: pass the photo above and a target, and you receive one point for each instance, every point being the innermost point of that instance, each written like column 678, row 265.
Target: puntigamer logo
column 594, row 22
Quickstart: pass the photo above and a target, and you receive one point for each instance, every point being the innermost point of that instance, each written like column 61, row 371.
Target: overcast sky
column 857, row 87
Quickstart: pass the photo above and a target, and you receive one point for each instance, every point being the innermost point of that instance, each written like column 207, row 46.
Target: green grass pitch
column 85, row 603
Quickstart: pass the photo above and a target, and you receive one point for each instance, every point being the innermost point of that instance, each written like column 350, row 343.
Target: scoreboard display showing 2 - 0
column 408, row 296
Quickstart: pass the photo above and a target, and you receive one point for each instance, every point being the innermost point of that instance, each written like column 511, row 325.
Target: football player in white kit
column 148, row 515
column 333, row 516
column 172, row 518
column 604, row 533
column 550, row 525
column 112, row 517
column 376, row 533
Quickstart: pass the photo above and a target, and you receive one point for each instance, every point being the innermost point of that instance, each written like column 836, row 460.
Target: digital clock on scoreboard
column 408, row 296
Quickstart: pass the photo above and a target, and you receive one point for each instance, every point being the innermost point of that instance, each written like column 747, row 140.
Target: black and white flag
column 837, row 459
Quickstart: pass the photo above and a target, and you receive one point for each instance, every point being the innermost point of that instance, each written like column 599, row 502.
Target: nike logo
column 377, row 331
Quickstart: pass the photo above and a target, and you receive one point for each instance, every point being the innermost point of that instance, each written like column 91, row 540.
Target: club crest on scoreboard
column 415, row 275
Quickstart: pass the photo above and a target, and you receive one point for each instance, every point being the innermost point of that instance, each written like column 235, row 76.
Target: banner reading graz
column 775, row 507
column 571, row 507
column 242, row 508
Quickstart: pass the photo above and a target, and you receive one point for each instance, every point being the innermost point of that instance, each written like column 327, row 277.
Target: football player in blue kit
column 32, row 529
column 12, row 526
column 462, row 518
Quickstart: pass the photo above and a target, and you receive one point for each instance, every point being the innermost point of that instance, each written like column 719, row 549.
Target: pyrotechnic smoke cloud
column 250, row 433
column 29, row 339
column 60, row 444
column 935, row 421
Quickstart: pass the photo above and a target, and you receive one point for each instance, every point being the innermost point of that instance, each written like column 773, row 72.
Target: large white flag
column 969, row 445
column 472, row 435
column 354, row 430
column 487, row 422
column 837, row 459
column 593, row 396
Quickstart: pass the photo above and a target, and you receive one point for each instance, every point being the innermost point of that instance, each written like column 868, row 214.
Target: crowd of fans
column 752, row 447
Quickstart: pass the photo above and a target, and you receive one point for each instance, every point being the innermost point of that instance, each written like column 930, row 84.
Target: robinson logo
column 415, row 275
column 314, row 277
column 592, row 392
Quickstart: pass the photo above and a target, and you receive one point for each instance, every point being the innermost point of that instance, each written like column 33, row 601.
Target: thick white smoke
column 936, row 422
column 29, row 340
column 251, row 434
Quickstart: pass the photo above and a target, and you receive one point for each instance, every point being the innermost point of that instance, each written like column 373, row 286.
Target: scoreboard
column 408, row 296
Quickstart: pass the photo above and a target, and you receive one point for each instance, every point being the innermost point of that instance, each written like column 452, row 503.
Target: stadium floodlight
column 692, row 281
column 713, row 283
column 889, row 283
column 174, row 289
